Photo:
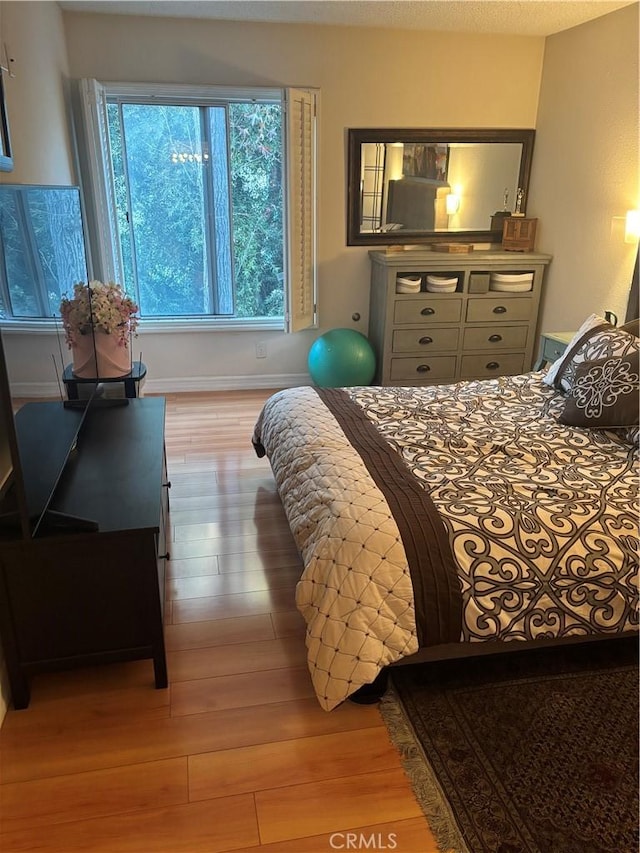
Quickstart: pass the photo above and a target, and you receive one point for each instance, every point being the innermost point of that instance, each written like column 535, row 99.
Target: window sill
column 159, row 326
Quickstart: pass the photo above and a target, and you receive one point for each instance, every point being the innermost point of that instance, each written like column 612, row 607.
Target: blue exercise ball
column 340, row 358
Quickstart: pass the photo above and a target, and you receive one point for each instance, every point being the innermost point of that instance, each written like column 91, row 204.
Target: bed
column 485, row 513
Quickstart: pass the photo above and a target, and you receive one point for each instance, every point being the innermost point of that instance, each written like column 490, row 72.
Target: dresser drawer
column 427, row 340
column 427, row 368
column 434, row 310
column 474, row 367
column 483, row 310
column 495, row 337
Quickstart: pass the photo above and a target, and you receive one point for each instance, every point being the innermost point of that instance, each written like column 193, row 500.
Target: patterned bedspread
column 542, row 520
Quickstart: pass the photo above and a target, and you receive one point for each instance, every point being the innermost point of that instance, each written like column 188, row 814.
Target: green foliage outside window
column 199, row 207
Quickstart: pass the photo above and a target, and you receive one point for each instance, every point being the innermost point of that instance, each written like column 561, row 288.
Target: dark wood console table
column 70, row 597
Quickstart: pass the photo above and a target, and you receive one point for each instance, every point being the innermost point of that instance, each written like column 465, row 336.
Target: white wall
column 585, row 167
column 35, row 96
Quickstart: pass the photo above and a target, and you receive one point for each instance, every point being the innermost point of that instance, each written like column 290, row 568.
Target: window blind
column 301, row 117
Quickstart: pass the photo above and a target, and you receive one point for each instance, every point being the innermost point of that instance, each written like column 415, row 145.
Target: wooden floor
column 236, row 754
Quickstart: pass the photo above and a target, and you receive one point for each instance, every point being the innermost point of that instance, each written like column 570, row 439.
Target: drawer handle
column 493, row 365
column 423, row 368
column 165, row 556
column 495, row 338
column 167, row 485
column 426, row 340
column 428, row 311
column 499, row 309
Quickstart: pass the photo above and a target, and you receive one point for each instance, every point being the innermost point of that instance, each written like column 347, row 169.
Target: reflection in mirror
column 43, row 248
column 421, row 186
column 459, row 192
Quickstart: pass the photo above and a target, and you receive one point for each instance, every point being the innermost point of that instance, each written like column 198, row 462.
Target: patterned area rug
column 528, row 752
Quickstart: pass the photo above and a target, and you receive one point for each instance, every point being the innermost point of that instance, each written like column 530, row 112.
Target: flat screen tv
column 36, row 442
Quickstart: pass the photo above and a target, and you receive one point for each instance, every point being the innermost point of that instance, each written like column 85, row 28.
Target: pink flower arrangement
column 105, row 307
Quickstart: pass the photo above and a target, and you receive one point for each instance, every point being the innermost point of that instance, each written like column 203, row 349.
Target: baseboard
column 225, row 383
column 172, row 385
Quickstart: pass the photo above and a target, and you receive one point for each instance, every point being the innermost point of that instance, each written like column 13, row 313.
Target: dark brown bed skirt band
column 436, row 588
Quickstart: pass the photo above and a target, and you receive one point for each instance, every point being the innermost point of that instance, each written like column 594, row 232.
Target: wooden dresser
column 473, row 333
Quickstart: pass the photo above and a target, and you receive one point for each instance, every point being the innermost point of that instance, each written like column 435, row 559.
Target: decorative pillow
column 605, row 393
column 595, row 339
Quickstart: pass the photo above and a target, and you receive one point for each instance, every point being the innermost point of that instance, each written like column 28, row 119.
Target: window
column 200, row 201
column 204, row 198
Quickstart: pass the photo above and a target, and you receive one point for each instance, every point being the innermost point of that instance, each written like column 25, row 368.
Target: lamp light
column 632, row 226
column 452, row 203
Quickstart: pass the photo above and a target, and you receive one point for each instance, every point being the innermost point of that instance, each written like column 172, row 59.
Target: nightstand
column 552, row 345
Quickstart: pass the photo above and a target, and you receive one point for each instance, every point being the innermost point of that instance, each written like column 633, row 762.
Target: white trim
column 174, row 385
column 208, row 324
column 49, row 326
column 226, row 383
column 96, row 168
column 168, row 93
column 32, row 326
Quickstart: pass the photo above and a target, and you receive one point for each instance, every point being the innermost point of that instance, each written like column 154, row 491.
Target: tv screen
column 35, row 444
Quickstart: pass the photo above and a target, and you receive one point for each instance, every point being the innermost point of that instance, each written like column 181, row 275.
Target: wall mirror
column 425, row 185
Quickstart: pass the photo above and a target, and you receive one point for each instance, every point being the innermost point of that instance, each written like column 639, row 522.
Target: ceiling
column 519, row 17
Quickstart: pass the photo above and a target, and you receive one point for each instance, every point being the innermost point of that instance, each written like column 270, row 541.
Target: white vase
column 108, row 360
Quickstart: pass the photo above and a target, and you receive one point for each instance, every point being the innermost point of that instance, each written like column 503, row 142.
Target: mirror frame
column 357, row 136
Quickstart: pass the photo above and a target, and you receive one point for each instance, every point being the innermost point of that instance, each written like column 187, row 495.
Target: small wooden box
column 519, row 234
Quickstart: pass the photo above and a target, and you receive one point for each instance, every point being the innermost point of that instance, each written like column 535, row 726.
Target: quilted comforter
column 513, row 527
